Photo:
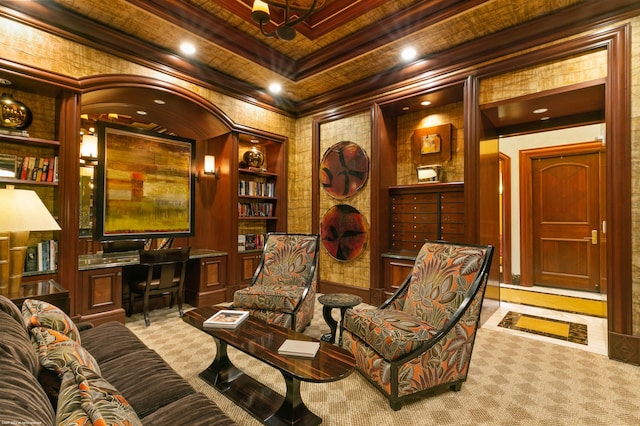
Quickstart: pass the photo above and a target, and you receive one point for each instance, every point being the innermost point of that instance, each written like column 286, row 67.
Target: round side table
column 336, row 300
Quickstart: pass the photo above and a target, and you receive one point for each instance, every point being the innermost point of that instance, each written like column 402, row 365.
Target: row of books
column 254, row 188
column 255, row 209
column 42, row 257
column 250, row 242
column 43, row 169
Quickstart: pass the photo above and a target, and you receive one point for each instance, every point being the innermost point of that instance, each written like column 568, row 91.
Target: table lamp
column 21, row 211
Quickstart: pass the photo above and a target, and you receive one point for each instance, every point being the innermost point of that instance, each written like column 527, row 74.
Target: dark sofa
column 131, row 375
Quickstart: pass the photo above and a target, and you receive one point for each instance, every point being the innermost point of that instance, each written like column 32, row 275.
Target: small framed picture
column 7, row 166
column 431, row 144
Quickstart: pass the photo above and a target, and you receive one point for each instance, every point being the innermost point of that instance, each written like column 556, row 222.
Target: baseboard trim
column 624, row 347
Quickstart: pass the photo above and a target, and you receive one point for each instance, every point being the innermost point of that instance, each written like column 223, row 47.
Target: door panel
column 565, row 195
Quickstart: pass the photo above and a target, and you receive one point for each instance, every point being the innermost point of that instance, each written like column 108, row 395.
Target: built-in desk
column 101, row 293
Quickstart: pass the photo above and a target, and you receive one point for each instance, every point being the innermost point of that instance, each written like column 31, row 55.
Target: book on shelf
column 241, row 242
column 31, row 259
column 8, row 165
column 226, row 318
column 250, row 242
column 302, row 348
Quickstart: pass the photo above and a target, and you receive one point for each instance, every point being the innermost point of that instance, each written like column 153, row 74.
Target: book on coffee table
column 226, row 318
column 299, row 348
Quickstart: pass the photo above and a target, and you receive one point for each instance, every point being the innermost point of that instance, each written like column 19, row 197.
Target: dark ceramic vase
column 15, row 114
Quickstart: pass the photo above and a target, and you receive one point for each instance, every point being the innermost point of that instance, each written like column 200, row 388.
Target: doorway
column 563, row 221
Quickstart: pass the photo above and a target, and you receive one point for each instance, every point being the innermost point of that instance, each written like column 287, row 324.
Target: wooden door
column 566, row 221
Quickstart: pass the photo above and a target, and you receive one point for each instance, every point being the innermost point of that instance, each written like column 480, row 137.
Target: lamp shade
column 22, row 210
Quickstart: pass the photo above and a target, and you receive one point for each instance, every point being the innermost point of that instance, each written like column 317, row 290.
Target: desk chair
column 165, row 271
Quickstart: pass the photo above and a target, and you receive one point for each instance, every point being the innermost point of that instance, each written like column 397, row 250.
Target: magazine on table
column 302, row 348
column 226, row 318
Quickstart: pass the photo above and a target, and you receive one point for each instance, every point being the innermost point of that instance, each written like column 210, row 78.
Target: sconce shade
column 209, row 165
column 22, row 210
column 295, row 11
column 89, row 146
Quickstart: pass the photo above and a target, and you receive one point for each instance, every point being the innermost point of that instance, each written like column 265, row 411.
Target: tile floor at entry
column 585, row 332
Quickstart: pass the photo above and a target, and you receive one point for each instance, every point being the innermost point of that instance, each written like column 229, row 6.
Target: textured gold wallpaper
column 409, row 123
column 356, row 129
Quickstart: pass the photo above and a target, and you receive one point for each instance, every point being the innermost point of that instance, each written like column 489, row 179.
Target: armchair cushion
column 391, row 333
column 279, row 297
column 440, row 280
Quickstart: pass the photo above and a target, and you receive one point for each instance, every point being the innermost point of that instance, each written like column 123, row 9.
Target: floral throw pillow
column 38, row 313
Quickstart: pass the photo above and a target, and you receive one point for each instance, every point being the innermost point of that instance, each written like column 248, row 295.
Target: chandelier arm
column 300, row 18
column 271, row 34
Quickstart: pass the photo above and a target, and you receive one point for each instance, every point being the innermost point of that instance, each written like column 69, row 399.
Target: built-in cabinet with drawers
column 428, row 211
column 420, row 212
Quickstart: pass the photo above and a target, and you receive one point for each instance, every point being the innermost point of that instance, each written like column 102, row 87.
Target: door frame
column 505, row 165
column 526, row 199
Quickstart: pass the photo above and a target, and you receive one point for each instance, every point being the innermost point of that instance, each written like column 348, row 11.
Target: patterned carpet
column 512, row 381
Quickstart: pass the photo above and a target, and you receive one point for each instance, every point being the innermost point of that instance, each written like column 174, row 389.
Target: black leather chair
column 165, row 271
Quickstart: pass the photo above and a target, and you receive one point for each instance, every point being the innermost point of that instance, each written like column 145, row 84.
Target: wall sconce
column 209, row 168
column 89, row 146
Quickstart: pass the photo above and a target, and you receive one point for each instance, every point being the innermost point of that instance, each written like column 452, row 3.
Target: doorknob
column 594, row 236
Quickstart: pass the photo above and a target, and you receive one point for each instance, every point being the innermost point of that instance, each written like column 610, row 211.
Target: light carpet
column 512, row 381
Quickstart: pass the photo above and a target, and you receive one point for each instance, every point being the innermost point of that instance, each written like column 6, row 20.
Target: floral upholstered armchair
column 283, row 288
column 422, row 337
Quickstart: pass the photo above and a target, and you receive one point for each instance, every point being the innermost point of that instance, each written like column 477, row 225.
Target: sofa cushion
column 106, row 341
column 38, row 313
column 86, row 398
column 7, row 305
column 193, row 410
column 16, row 344
column 22, row 400
column 391, row 333
column 146, row 380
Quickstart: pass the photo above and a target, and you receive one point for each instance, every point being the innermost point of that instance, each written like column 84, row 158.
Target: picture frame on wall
column 145, row 184
column 432, row 144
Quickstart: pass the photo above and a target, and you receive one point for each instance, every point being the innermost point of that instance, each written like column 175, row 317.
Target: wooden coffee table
column 262, row 340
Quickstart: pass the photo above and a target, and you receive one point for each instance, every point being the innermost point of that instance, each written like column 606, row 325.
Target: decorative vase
column 15, row 114
column 253, row 158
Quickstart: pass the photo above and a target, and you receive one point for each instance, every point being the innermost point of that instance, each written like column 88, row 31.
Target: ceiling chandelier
column 295, row 11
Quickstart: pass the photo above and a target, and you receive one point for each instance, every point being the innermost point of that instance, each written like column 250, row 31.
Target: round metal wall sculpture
column 14, row 114
column 344, row 170
column 344, row 232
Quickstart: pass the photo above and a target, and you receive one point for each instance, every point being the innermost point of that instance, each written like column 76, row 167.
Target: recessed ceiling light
column 141, row 112
column 5, row 82
column 544, row 118
column 540, row 110
column 188, row 48
column 408, row 53
column 159, row 101
column 405, row 108
column 275, row 88
column 425, row 103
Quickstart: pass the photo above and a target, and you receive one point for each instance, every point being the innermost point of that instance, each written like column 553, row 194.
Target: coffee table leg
column 293, row 411
column 221, row 371
column 333, row 324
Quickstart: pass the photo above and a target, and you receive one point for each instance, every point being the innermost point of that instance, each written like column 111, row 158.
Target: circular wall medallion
column 344, row 232
column 344, row 170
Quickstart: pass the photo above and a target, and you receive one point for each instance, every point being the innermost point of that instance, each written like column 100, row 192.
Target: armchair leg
column 456, row 387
